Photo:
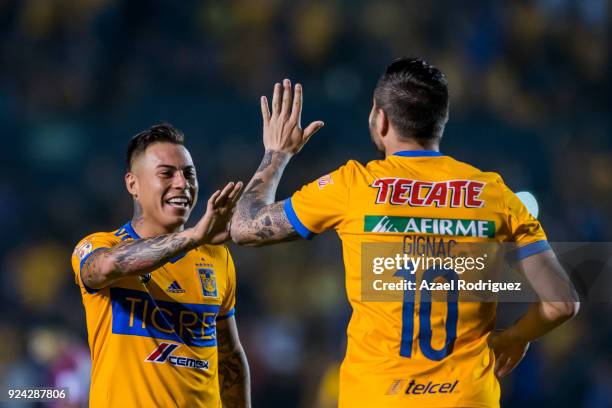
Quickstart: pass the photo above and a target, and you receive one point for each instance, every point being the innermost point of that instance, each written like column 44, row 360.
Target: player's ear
column 382, row 122
column 131, row 183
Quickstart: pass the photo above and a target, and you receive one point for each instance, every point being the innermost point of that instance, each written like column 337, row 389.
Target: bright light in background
column 530, row 202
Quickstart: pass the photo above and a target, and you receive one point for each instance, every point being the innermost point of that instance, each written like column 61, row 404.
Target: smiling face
column 163, row 182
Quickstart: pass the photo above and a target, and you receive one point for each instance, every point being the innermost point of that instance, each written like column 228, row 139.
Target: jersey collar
column 130, row 231
column 418, row 153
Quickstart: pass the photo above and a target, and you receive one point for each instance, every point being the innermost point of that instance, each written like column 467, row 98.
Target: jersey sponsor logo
column 415, row 388
column 208, row 281
column 437, row 226
column 418, row 193
column 136, row 313
column 83, row 250
column 325, row 180
column 174, row 287
column 396, row 387
column 163, row 354
column 411, row 387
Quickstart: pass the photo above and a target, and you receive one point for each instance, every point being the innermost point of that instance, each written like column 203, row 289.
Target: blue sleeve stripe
column 531, row 249
column 295, row 221
column 227, row 315
column 87, row 288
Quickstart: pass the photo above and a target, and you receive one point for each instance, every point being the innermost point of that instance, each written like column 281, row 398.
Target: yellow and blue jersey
column 415, row 353
column 153, row 338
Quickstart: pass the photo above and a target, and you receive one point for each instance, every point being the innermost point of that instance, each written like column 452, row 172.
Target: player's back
column 406, row 349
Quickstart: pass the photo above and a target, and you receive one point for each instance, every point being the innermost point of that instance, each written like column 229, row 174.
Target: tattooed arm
column 139, row 257
column 104, row 267
column 258, row 219
column 234, row 377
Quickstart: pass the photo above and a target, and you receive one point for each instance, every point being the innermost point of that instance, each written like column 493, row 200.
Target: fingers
column 222, row 198
column 285, row 103
column 265, row 110
column 312, row 129
column 235, row 193
column 276, row 100
column 286, row 98
column 229, row 195
column 212, row 199
column 499, row 363
column 296, row 110
column 506, row 367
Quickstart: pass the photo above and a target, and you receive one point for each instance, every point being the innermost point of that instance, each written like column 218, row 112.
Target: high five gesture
column 282, row 129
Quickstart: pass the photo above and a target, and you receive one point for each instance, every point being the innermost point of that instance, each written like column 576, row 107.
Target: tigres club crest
column 208, row 281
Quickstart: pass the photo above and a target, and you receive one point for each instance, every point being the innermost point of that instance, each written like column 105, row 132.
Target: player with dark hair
column 415, row 97
column 159, row 297
column 408, row 353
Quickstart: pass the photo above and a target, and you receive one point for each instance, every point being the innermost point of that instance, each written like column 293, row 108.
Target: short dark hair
column 163, row 132
column 414, row 95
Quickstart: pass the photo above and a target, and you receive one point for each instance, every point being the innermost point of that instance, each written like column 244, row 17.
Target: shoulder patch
column 82, row 250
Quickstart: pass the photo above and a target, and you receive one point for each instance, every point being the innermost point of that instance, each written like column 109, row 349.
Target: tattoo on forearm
column 234, row 382
column 232, row 378
column 150, row 253
column 267, row 160
column 258, row 219
column 137, row 257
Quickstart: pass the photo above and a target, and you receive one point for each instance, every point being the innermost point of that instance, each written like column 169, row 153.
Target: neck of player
column 395, row 144
column 145, row 227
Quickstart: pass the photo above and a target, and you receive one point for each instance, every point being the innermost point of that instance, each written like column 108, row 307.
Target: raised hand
column 213, row 227
column 282, row 130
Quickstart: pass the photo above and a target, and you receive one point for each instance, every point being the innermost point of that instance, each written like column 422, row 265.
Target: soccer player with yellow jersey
column 407, row 354
column 159, row 297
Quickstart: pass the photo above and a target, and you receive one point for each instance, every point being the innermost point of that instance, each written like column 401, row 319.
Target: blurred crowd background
column 530, row 86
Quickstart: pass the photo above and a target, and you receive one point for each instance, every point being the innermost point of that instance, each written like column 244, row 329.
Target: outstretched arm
column 105, row 266
column 258, row 219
